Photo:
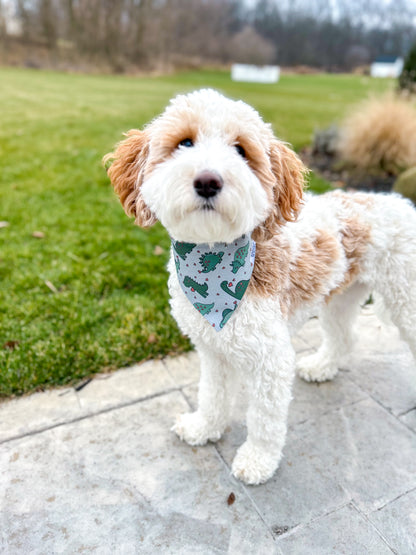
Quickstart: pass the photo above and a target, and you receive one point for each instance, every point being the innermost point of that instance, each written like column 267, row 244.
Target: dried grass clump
column 380, row 134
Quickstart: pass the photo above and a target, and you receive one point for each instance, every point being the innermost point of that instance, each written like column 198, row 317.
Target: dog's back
column 376, row 235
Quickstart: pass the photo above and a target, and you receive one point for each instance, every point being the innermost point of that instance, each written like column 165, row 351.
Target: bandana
column 214, row 278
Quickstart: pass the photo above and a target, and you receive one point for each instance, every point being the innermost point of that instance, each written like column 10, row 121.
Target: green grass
column 90, row 295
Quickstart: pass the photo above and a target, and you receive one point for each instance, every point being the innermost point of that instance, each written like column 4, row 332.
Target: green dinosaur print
column 183, row 249
column 204, row 308
column 239, row 290
column 210, row 261
column 226, row 315
column 201, row 289
column 177, row 264
column 239, row 258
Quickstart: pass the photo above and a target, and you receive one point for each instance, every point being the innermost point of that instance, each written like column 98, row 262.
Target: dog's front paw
column 253, row 465
column 194, row 429
column 316, row 368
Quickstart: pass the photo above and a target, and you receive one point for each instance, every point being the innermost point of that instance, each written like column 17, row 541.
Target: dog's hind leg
column 396, row 283
column 401, row 309
column 407, row 326
column 337, row 318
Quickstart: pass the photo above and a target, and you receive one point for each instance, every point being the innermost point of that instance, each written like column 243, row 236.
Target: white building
column 255, row 74
column 387, row 66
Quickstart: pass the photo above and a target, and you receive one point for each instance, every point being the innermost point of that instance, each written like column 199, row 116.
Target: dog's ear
column 288, row 182
column 125, row 168
column 290, row 173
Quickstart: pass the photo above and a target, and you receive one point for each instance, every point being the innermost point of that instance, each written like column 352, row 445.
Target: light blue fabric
column 214, row 279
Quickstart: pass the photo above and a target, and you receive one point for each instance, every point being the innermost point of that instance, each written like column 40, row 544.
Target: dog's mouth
column 207, row 206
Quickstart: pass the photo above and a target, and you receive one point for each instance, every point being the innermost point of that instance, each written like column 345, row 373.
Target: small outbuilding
column 255, row 74
column 387, row 66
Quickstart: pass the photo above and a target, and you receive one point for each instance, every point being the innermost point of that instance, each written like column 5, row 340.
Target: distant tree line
column 338, row 35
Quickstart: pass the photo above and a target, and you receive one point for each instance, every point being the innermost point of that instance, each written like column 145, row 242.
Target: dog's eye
column 240, row 151
column 187, row 143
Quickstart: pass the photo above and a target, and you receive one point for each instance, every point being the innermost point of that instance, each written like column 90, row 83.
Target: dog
column 231, row 196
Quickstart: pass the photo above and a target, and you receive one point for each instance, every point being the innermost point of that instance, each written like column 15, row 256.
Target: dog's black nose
column 207, row 184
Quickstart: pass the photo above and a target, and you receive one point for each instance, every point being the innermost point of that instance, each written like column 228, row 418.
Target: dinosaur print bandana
column 214, row 279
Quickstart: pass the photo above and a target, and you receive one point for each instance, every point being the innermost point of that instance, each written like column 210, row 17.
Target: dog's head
column 210, row 170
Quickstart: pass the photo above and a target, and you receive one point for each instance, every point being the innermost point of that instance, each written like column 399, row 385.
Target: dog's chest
column 253, row 323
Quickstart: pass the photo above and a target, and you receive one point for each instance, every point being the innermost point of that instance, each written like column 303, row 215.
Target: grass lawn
column 88, row 294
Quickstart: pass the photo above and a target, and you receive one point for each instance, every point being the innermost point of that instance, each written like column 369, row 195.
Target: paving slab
column 299, row 491
column 300, row 345
column 389, row 377
column 39, row 411
column 183, row 370
column 382, row 364
column 330, row 534
column 364, row 449
column 374, row 334
column 397, row 520
column 409, row 419
column 98, row 470
column 33, row 413
column 126, row 386
column 310, row 334
column 121, row 482
column 311, row 400
column 358, row 452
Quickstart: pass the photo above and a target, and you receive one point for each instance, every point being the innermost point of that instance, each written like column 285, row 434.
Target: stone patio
column 97, row 469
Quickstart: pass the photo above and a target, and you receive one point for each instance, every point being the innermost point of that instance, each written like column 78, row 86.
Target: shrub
column 407, row 79
column 380, row 134
column 406, row 184
column 325, row 141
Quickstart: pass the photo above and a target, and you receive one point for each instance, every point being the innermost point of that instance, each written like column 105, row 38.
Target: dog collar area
column 214, row 278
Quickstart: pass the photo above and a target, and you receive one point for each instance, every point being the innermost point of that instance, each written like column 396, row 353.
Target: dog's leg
column 402, row 312
column 336, row 318
column 269, row 386
column 208, row 422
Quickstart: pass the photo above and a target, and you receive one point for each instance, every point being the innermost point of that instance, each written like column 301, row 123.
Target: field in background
column 81, row 288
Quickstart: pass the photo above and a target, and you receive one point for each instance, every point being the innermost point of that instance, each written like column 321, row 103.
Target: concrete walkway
column 99, row 471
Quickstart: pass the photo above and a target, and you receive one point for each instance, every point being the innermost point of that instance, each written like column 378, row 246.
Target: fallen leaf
column 152, row 338
column 11, row 345
column 38, row 234
column 51, row 286
column 231, row 499
column 158, row 250
column 279, row 530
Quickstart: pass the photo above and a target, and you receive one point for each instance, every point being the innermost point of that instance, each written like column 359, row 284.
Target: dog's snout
column 207, row 184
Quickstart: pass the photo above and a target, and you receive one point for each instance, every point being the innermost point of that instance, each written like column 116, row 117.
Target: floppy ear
column 288, row 182
column 125, row 169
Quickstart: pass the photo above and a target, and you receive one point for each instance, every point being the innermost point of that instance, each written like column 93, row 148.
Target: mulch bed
column 329, row 167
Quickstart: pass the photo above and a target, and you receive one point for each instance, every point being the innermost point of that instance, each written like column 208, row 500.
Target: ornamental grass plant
column 379, row 134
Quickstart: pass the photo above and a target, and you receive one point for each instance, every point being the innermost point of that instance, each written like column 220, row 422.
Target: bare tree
column 122, row 33
column 47, row 21
column 3, row 29
column 248, row 47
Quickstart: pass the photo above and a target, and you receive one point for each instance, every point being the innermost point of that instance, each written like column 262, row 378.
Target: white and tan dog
column 211, row 171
